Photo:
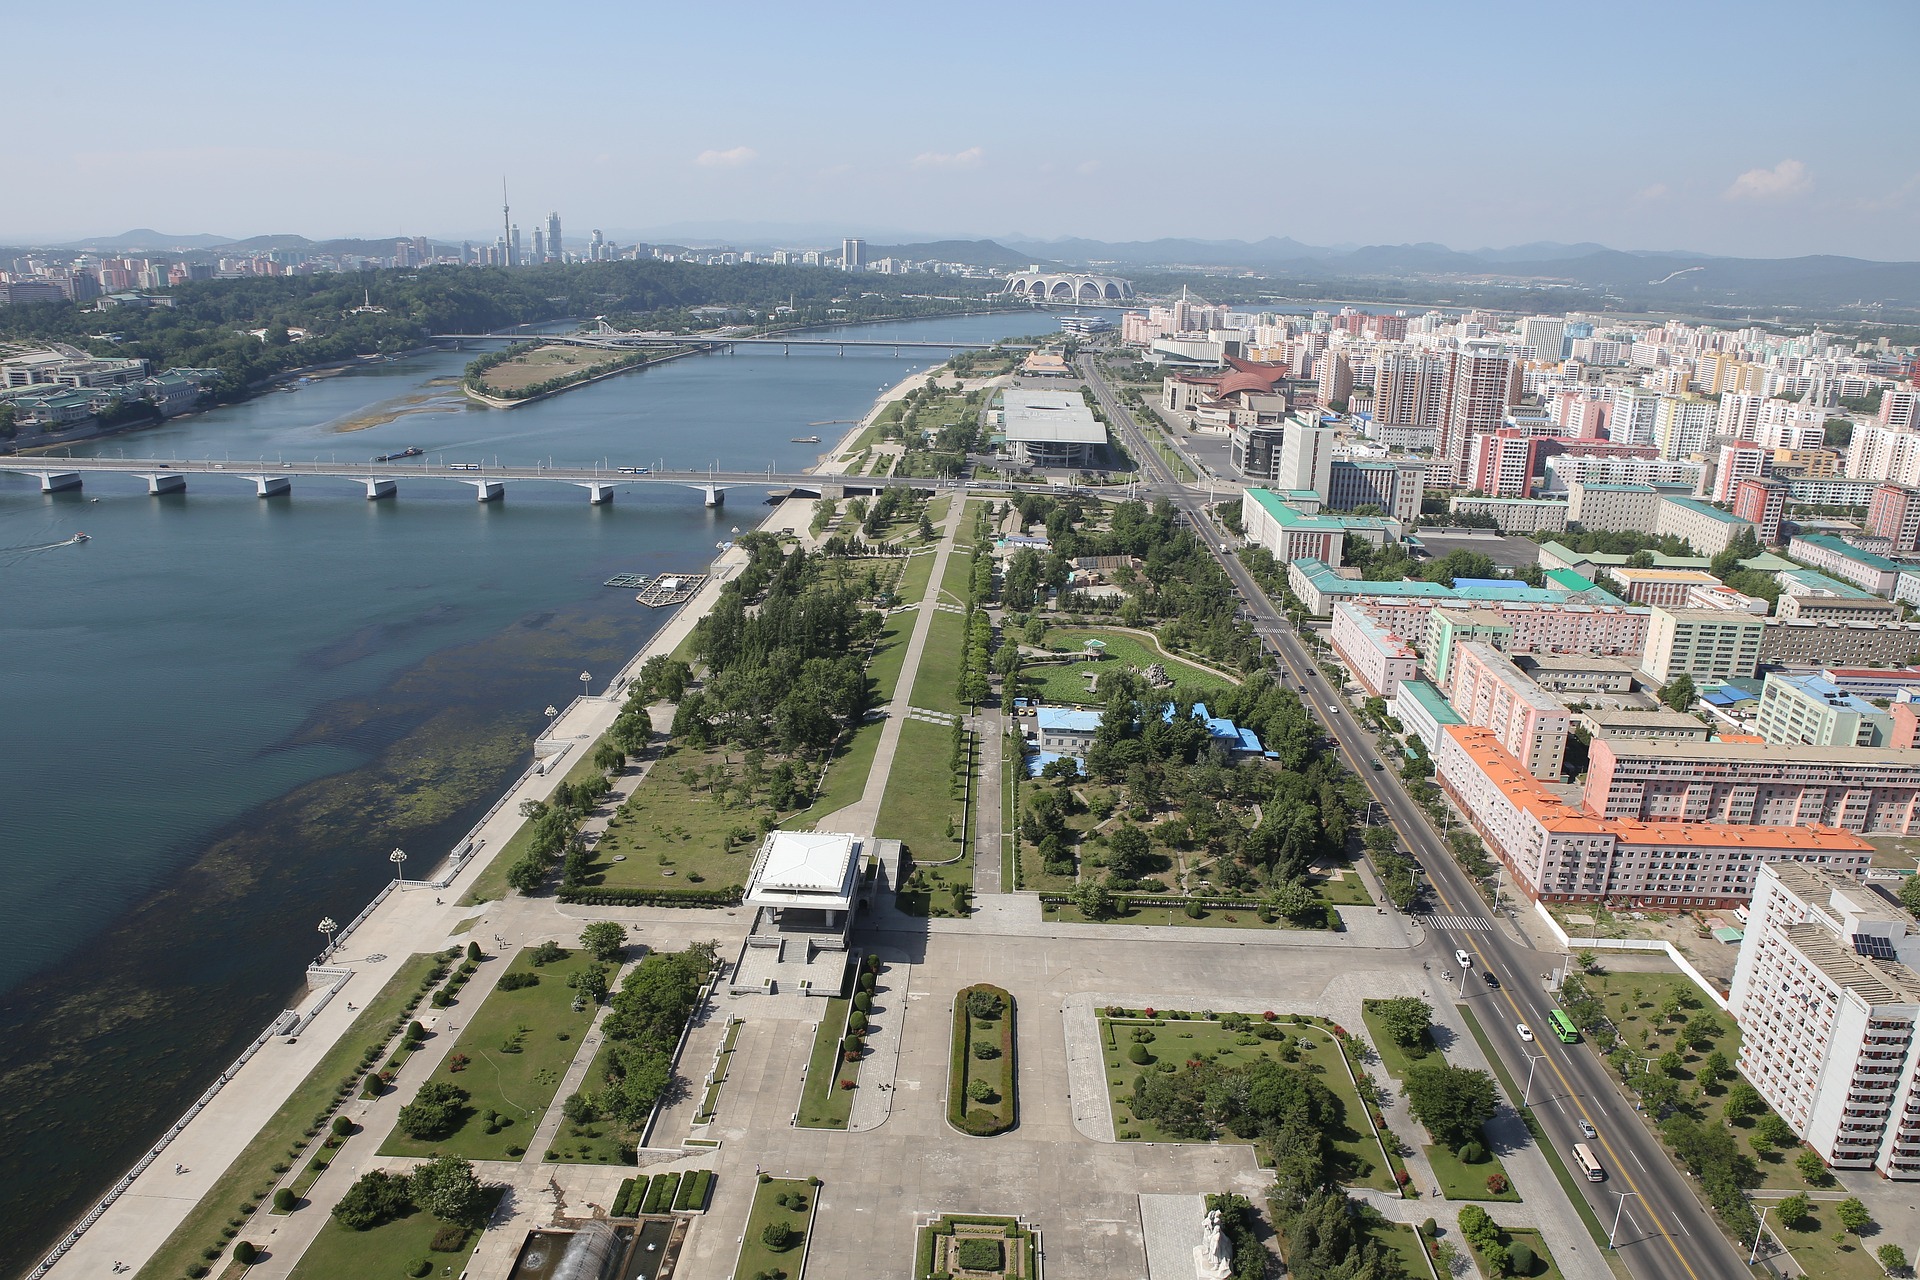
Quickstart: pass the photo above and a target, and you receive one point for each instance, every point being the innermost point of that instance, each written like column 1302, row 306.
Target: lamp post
column 399, row 861
column 552, row 711
column 1526, row 1093
column 1624, row 1197
column 1758, row 1231
column 328, row 927
column 586, row 684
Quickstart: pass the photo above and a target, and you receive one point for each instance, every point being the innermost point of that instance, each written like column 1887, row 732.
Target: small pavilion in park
column 807, row 881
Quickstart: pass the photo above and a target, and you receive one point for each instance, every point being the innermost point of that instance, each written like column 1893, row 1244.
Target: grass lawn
column 1400, row 1238
column 1814, row 1250
column 603, row 1141
column 912, row 587
column 516, row 1055
column 252, row 1169
column 672, row 833
column 1359, row 1151
column 846, row 778
column 1066, row 682
column 1462, row 1181
column 1210, row 918
column 1634, row 1001
column 997, row 1112
column 890, row 654
column 920, row 801
column 755, row 1256
column 936, row 685
column 491, row 884
column 1342, row 888
column 1394, row 1057
column 823, row 1103
column 383, row 1251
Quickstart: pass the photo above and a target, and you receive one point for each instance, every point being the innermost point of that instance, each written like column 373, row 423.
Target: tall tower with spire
column 506, row 225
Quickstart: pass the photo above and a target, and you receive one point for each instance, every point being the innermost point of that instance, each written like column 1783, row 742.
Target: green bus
column 1563, row 1027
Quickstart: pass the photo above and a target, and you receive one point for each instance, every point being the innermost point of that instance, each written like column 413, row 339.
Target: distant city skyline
column 1657, row 128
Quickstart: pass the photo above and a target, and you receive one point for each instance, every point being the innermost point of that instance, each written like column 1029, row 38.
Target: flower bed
column 947, row 1246
column 980, row 1076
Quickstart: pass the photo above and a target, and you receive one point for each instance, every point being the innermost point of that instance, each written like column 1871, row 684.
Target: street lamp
column 552, row 711
column 1533, row 1060
column 1758, row 1230
column 399, row 861
column 586, row 684
column 1624, row 1197
column 327, row 926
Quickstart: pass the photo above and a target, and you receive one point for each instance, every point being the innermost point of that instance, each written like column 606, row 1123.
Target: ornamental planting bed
column 981, row 1074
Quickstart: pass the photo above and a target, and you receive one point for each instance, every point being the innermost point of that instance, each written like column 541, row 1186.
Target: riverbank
column 152, row 1203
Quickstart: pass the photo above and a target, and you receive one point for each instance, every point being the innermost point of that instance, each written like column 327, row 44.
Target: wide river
column 220, row 715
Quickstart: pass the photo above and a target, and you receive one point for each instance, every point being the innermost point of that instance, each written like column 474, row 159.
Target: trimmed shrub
column 449, row 1239
column 420, row 1268
column 980, row 1253
column 518, row 981
column 1472, row 1153
column 779, row 1236
column 284, row 1200
column 1520, row 1259
column 856, row 1021
column 1137, row 1054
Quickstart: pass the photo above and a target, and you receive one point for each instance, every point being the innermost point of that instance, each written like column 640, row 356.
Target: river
column 222, row 713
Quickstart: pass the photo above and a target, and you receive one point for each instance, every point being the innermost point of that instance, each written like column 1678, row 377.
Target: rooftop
column 1603, row 558
column 1874, row 981
column 1827, row 542
column 805, row 869
column 1605, row 719
column 1692, row 577
column 1726, row 752
column 1431, row 700
column 1705, row 509
column 1810, row 582
column 1064, row 720
column 1326, row 579
column 1056, row 417
column 1561, row 818
column 1614, row 488
column 1818, row 689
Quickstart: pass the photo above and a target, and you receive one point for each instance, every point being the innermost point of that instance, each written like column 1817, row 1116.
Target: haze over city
column 1719, row 128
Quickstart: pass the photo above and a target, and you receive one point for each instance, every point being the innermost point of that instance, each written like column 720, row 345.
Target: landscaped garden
column 1817, row 1234
column 981, row 1073
column 839, row 1045
column 1519, row 1252
column 1066, row 682
column 1447, row 1099
column 1162, row 1063
column 238, row 1192
column 423, row 1223
column 774, row 1245
column 485, row 1099
column 967, row 1244
column 924, row 807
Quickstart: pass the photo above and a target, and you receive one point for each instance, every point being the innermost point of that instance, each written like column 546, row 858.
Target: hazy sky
column 1743, row 128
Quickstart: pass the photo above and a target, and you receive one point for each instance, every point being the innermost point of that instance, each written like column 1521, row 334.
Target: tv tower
column 506, row 225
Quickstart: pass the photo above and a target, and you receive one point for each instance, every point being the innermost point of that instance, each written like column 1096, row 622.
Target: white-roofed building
column 1050, row 428
column 806, row 870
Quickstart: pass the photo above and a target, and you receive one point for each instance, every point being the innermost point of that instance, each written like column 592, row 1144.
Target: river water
column 220, row 714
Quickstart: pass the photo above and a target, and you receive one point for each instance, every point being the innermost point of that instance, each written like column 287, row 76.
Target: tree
column 1811, row 1167
column 1294, row 900
column 1407, row 1019
column 1127, row 851
column 1910, row 894
column 1773, row 1132
column 605, row 939
column 1743, row 1100
column 1680, row 692
column 435, row 1112
column 1453, row 1102
column 1095, row 900
column 1793, row 1209
column 447, row 1188
column 377, row 1197
column 1715, row 1069
column 779, row 1236
column 1892, row 1258
column 1853, row 1215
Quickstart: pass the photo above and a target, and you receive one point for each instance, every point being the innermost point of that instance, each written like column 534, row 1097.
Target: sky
column 1757, row 129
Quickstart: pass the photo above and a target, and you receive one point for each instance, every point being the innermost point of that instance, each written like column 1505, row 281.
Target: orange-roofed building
column 1747, row 738
column 1558, row 852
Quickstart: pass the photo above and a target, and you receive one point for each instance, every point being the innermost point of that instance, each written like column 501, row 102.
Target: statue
column 1213, row 1256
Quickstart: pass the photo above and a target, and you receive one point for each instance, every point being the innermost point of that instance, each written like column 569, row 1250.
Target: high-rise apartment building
column 1813, row 711
column 1900, row 408
column 853, row 255
column 1306, row 456
column 1828, row 1003
column 1546, row 335
column 1893, row 513
column 1702, row 643
column 1682, row 425
column 554, row 252
column 1872, row 791
column 1489, row 691
column 1410, row 387
column 1634, row 410
column 1477, row 396
column 1761, row 502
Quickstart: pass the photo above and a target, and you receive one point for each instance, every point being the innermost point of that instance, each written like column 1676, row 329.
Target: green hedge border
column 961, row 1059
column 595, row 897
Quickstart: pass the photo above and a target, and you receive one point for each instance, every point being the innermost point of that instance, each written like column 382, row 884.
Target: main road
column 1665, row 1231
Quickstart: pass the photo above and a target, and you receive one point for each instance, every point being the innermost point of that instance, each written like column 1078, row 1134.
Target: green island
column 774, row 1245
column 981, row 1073
column 968, row 1243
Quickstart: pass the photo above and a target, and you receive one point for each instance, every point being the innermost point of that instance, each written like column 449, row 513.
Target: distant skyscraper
column 515, row 256
column 1545, row 334
column 554, row 252
column 539, row 244
column 508, row 236
column 597, row 246
column 853, row 255
column 1476, row 402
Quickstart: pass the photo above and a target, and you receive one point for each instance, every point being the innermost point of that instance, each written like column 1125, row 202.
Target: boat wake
column 14, row 553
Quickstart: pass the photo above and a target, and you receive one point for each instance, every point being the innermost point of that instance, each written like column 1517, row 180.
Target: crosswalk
column 1435, row 921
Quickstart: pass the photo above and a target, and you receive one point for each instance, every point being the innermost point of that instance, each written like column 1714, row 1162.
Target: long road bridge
column 382, row 479
column 614, row 339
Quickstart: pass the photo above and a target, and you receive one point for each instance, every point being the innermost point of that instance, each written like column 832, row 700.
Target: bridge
column 608, row 338
column 381, row 480
column 273, row 479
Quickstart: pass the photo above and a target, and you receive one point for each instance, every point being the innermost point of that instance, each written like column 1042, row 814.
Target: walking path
column 989, row 791
column 873, row 1100
column 861, row 817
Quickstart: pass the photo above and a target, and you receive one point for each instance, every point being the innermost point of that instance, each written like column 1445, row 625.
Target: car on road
column 1465, row 960
column 1588, row 1131
column 1526, row 1032
column 1492, row 979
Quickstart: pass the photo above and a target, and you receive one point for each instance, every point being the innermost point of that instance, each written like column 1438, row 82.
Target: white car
column 1588, row 1131
column 1465, row 961
column 1526, row 1032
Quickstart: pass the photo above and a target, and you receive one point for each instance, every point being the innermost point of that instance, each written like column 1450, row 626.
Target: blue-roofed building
column 1222, row 730
column 1065, row 730
column 1813, row 711
column 1490, row 584
column 1038, row 761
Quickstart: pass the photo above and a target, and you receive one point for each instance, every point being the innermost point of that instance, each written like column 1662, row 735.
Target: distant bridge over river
column 609, row 338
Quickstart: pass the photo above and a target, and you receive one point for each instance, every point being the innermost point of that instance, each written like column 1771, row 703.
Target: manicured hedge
column 998, row 1071
column 623, row 1202
column 695, row 1187
column 598, row 897
column 661, row 1191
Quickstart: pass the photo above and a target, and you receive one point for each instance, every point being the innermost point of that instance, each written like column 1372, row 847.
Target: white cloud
column 1087, row 167
column 968, row 159
column 1788, row 178
column 1658, row 191
column 732, row 158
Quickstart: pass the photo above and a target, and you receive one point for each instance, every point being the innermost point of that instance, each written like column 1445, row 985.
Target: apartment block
column 1660, row 726
column 1608, row 507
column 1804, row 642
column 1817, row 712
column 1378, row 659
column 1893, row 513
column 1815, row 597
column 1422, row 711
column 1827, row 999
column 1716, row 643
column 1560, row 673
column 1866, row 790
column 1865, row 569
column 1762, row 503
column 1516, row 515
column 1489, row 691
column 1558, row 853
column 1709, row 529
column 1667, row 588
